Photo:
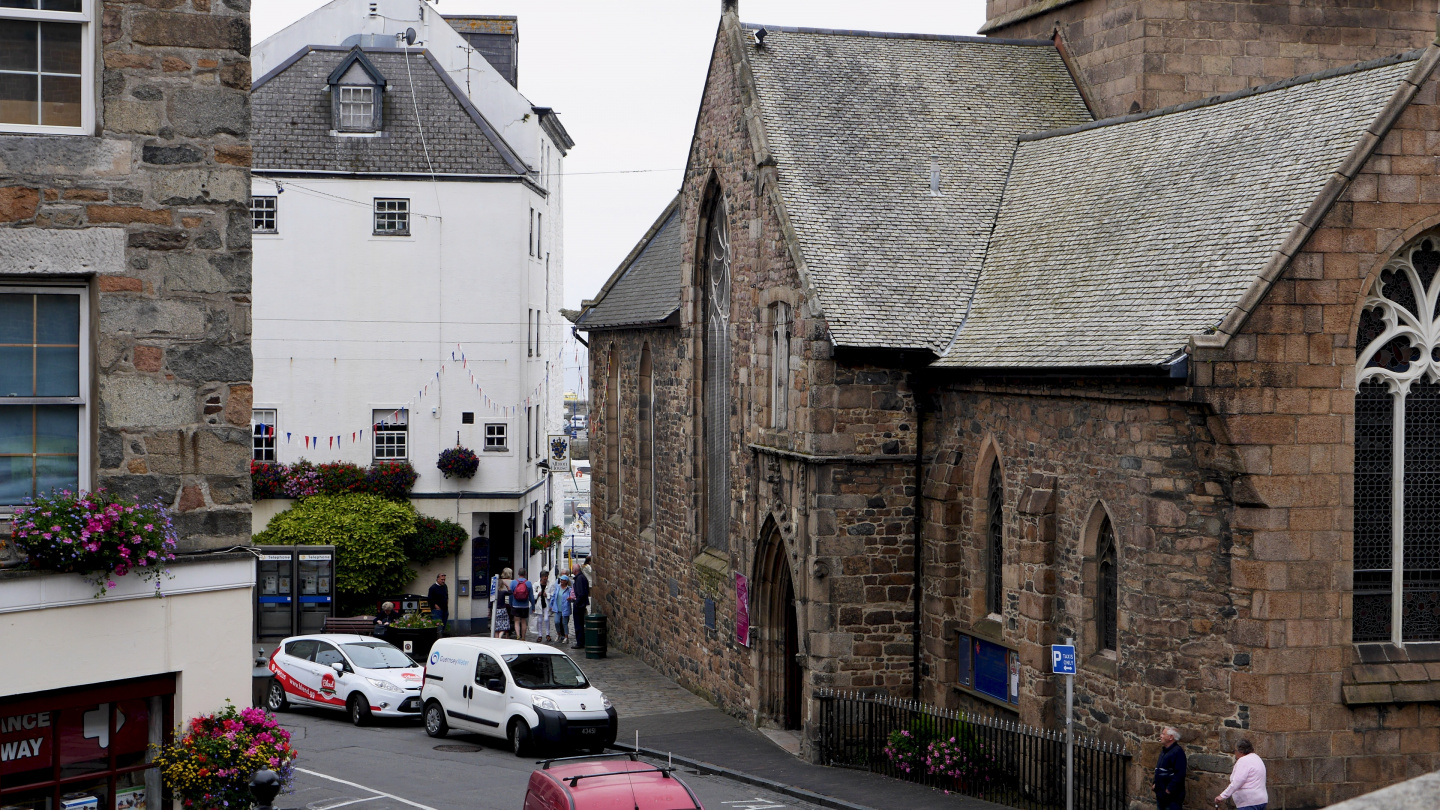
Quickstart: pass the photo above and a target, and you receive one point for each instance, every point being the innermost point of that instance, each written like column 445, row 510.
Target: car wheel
column 359, row 709
column 275, row 699
column 520, row 737
column 435, row 724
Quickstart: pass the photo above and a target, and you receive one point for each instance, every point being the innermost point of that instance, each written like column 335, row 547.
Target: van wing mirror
column 495, row 685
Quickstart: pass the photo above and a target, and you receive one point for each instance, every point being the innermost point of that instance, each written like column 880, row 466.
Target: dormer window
column 356, row 95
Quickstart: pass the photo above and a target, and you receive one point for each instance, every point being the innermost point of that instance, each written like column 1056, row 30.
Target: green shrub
column 369, row 533
column 434, row 539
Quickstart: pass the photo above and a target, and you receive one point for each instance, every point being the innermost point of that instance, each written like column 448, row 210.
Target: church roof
column 645, row 289
column 858, row 123
column 1117, row 243
column 292, row 120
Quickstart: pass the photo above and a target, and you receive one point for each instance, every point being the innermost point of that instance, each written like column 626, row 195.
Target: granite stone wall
column 151, row 213
column 1154, row 53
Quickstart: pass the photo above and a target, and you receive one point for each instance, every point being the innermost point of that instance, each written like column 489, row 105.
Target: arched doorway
column 777, row 643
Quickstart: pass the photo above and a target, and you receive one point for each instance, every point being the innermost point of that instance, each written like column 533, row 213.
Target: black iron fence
column 986, row 757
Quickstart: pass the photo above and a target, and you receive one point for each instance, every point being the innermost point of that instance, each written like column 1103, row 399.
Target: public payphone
column 294, row 590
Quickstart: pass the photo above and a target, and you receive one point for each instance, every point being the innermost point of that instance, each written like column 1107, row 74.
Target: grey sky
column 626, row 76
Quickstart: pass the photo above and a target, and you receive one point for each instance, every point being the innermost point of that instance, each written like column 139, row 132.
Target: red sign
column 25, row 741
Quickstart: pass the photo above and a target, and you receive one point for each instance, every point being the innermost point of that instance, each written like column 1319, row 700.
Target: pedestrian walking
column 1247, row 780
column 501, row 628
column 520, row 603
column 1169, row 781
column 543, row 624
column 440, row 600
column 561, row 605
column 580, row 604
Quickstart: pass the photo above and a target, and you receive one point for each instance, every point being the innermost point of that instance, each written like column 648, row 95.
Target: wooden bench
column 354, row 625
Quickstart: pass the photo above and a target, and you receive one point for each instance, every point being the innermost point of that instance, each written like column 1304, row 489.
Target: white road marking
column 345, row 800
column 754, row 804
column 378, row 793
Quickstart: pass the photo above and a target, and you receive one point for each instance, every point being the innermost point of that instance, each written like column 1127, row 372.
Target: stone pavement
column 670, row 719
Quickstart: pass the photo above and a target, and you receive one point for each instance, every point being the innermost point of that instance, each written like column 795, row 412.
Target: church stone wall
column 1154, row 53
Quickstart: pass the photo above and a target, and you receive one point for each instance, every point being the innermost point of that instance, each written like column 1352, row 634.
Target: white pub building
column 406, row 218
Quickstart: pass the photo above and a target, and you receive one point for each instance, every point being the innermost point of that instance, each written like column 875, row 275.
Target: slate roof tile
column 855, row 120
column 645, row 289
column 292, row 122
column 1115, row 244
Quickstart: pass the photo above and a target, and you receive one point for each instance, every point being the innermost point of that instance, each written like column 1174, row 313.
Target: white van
column 529, row 694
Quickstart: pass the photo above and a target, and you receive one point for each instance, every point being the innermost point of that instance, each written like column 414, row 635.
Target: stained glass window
column 995, row 542
column 1107, row 613
column 1397, row 420
column 716, row 320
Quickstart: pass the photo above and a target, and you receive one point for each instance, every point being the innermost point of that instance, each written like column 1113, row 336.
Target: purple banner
column 742, row 610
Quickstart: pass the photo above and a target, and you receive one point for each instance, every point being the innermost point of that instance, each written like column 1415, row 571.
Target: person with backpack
column 562, row 604
column 520, row 602
column 544, row 626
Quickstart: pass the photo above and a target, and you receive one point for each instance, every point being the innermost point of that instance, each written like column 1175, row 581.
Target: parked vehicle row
column 531, row 695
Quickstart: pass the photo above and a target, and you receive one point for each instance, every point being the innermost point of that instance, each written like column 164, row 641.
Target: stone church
column 1119, row 323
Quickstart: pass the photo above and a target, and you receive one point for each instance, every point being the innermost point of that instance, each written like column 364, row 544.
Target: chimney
column 730, row 6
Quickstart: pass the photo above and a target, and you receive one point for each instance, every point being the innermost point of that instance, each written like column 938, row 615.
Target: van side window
column 303, row 649
column 325, row 655
column 487, row 668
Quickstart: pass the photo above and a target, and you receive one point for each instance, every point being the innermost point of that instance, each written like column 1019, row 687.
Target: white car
column 529, row 694
column 365, row 676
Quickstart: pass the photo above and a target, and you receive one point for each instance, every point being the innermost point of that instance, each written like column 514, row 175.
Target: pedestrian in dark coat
column 440, row 600
column 581, row 590
column 1169, row 782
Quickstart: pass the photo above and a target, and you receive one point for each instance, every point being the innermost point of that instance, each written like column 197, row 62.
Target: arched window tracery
column 715, row 294
column 995, row 541
column 1397, row 452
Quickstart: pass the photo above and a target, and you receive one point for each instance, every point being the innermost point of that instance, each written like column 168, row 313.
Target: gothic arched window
column 995, row 542
column 714, row 265
column 612, row 432
column 645, row 420
column 1397, row 452
column 1107, row 601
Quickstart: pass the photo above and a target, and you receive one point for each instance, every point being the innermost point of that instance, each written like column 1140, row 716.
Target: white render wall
column 346, row 322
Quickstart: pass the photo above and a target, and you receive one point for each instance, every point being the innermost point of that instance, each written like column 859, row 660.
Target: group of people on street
column 553, row 607
column 1247, row 777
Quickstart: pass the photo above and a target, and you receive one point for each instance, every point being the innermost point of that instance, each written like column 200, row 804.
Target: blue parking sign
column 1062, row 659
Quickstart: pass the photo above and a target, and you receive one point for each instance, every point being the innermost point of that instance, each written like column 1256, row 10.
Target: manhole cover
column 458, row 749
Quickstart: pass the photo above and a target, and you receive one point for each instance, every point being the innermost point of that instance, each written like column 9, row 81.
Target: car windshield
column 377, row 655
column 533, row 671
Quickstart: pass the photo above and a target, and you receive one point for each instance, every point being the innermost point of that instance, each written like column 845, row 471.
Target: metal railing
column 986, row 757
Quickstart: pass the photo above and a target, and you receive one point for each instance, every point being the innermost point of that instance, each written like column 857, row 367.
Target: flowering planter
column 421, row 639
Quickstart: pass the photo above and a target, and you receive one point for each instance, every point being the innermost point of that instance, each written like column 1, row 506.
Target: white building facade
column 408, row 267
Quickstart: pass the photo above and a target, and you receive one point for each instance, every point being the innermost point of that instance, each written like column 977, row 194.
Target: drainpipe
column 920, row 402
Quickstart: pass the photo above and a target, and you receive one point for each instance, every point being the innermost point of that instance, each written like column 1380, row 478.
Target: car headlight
column 385, row 685
column 605, row 702
column 541, row 702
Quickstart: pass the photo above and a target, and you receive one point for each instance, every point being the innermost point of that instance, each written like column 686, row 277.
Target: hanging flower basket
column 458, row 462
column 209, row 765
column 97, row 534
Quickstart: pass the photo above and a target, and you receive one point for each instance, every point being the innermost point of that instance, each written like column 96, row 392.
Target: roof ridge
column 1329, row 73
column 855, row 32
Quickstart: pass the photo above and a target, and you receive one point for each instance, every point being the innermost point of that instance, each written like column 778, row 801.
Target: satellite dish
column 409, row 36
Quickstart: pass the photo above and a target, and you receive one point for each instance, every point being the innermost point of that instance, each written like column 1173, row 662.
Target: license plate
column 587, row 731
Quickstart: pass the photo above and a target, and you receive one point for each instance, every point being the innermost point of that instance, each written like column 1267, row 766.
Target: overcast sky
column 626, row 76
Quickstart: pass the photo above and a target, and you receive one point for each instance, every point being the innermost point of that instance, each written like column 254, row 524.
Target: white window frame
column 256, row 438
column 403, row 435
column 503, row 433
column 85, row 16
column 377, row 213
column 85, row 441
column 347, row 108
column 273, row 211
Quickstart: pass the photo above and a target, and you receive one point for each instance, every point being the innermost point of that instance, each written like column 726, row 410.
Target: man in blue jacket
column 1169, row 782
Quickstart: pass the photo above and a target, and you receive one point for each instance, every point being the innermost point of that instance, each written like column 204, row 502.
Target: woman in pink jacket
column 1247, row 780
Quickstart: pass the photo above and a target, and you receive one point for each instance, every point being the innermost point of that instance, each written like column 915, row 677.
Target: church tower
column 1137, row 55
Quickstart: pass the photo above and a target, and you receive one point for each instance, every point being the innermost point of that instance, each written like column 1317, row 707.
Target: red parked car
column 614, row 782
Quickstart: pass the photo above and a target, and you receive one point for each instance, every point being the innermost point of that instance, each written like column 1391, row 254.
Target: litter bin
column 595, row 636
